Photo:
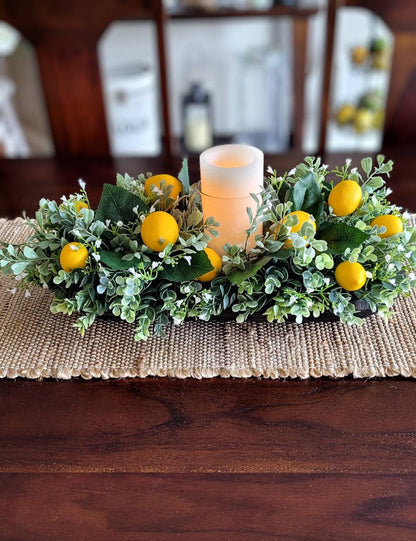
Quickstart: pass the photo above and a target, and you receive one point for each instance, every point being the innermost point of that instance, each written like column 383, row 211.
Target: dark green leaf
column 183, row 272
column 184, row 176
column 239, row 275
column 283, row 191
column 306, row 195
column 340, row 236
column 326, row 189
column 115, row 262
column 117, row 204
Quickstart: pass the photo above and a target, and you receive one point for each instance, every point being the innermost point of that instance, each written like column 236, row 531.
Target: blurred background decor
column 176, row 76
column 159, row 80
column 361, row 77
column 19, row 136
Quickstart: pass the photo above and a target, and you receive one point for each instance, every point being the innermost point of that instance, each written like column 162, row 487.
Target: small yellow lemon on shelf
column 345, row 114
column 359, row 54
column 216, row 262
column 382, row 60
column 78, row 205
column 392, row 223
column 379, row 117
column 350, row 276
column 345, row 197
column 158, row 230
column 302, row 217
column 155, row 182
column 363, row 120
column 73, row 255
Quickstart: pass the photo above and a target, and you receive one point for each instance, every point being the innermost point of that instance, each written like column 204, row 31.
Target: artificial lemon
column 382, row 60
column 78, row 205
column 73, row 255
column 359, row 54
column 345, row 114
column 392, row 223
column 363, row 120
column 350, row 276
column 216, row 262
column 379, row 117
column 156, row 180
column 345, row 197
column 302, row 217
column 158, row 230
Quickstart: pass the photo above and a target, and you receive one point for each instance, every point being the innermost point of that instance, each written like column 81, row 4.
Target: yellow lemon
column 302, row 218
column 158, row 230
column 382, row 60
column 73, row 255
column 345, row 114
column 156, row 180
column 350, row 276
column 78, row 205
column 345, row 197
column 392, row 223
column 216, row 262
column 359, row 54
column 379, row 117
column 363, row 120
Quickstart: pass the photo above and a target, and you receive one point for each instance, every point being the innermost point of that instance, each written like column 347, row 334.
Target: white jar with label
column 132, row 111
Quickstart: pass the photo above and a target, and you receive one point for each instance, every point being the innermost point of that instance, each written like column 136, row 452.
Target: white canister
column 132, row 111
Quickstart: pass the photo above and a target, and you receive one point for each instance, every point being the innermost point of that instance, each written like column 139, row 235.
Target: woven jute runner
column 34, row 343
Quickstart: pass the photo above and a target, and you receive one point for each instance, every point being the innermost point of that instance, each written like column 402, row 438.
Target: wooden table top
column 24, row 182
column 161, row 459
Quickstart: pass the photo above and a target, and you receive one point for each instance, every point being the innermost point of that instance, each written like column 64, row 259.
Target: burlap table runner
column 37, row 344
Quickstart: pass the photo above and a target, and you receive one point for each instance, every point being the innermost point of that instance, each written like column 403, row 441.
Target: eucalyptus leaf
column 366, row 165
column 195, row 218
column 380, row 159
column 375, row 182
column 340, row 236
column 184, row 272
column 183, row 176
column 29, row 252
column 19, row 267
column 117, row 204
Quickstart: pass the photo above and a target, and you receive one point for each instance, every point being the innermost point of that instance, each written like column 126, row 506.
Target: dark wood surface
column 24, row 182
column 161, row 459
column 212, row 460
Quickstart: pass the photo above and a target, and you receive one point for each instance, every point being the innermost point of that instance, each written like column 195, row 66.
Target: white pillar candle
column 229, row 174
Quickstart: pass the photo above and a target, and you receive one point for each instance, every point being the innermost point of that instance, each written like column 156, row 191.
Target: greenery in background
column 151, row 289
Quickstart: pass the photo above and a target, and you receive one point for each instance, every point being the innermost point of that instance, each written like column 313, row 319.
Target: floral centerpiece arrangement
column 142, row 255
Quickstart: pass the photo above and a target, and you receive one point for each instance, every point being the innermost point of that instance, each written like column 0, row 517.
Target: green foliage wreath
column 149, row 289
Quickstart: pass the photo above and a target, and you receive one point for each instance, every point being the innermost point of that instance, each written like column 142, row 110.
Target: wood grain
column 182, row 426
column 207, row 507
column 24, row 182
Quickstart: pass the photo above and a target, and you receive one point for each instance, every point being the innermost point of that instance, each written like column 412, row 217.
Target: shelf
column 275, row 11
